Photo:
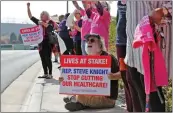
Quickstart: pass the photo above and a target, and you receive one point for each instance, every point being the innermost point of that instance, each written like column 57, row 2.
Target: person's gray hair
column 45, row 13
column 107, row 5
column 102, row 44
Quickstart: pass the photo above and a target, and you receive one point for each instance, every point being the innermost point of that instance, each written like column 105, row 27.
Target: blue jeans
column 83, row 47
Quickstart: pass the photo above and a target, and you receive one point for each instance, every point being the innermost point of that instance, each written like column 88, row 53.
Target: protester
column 136, row 10
column 95, row 46
column 45, row 48
column 64, row 34
column 121, row 40
column 61, row 17
column 101, row 20
column 56, row 48
column 77, row 38
column 86, row 22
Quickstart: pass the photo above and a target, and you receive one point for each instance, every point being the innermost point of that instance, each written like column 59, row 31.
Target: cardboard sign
column 86, row 75
column 32, row 35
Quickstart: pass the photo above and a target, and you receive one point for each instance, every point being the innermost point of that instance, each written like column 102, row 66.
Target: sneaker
column 44, row 76
column 49, row 77
column 69, row 99
column 74, row 106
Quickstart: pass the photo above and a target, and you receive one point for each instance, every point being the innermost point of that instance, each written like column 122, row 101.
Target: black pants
column 45, row 55
column 77, row 47
column 132, row 101
column 69, row 45
column 138, row 81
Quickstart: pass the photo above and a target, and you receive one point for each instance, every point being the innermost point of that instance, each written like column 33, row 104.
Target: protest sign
column 32, row 35
column 86, row 75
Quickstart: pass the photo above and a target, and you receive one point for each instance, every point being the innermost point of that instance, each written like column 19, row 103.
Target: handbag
column 52, row 38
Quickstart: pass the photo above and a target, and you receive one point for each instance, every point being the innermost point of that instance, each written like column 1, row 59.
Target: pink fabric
column 74, row 31
column 144, row 37
column 86, row 24
column 100, row 25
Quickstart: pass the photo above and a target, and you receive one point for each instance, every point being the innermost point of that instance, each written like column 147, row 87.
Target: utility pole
column 67, row 6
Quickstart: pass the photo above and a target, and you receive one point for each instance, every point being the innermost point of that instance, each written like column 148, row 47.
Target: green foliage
column 112, row 35
column 112, row 49
column 13, row 38
column 168, row 96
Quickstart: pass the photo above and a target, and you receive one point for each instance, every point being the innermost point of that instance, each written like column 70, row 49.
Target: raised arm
column 35, row 20
column 99, row 7
column 28, row 10
column 76, row 5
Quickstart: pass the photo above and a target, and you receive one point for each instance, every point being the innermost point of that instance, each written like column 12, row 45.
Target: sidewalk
column 44, row 96
column 13, row 97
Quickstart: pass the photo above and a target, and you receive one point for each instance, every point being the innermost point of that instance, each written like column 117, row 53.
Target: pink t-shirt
column 100, row 25
column 144, row 38
column 86, row 24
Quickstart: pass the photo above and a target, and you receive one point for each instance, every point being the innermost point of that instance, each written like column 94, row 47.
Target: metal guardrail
column 14, row 47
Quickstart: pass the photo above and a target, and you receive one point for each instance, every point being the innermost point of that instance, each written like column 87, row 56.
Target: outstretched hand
column 61, row 79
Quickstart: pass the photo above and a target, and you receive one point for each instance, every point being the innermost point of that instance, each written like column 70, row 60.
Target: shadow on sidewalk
column 115, row 109
column 52, row 81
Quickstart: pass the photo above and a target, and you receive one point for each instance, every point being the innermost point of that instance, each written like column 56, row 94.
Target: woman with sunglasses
column 95, row 46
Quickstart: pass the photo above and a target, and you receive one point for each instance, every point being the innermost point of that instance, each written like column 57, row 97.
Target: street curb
column 34, row 99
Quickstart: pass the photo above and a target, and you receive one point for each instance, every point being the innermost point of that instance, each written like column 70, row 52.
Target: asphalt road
column 14, row 63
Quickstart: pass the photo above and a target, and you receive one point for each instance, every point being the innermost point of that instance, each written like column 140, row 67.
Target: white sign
column 32, row 35
column 86, row 75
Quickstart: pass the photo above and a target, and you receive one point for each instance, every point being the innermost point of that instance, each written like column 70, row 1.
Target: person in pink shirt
column 147, row 36
column 144, row 36
column 101, row 21
column 86, row 21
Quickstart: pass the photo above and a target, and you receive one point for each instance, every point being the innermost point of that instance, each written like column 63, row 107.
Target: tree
column 13, row 37
column 20, row 39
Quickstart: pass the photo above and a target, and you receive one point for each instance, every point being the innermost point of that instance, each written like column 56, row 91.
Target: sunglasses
column 91, row 40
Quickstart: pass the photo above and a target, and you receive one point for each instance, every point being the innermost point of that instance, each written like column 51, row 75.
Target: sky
column 16, row 11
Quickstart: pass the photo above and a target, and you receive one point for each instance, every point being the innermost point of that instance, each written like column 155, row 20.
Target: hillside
column 8, row 28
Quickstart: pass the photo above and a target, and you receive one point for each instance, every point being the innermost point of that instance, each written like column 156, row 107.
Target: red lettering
column 66, row 83
column 26, row 40
column 95, row 78
column 91, row 84
column 73, row 77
